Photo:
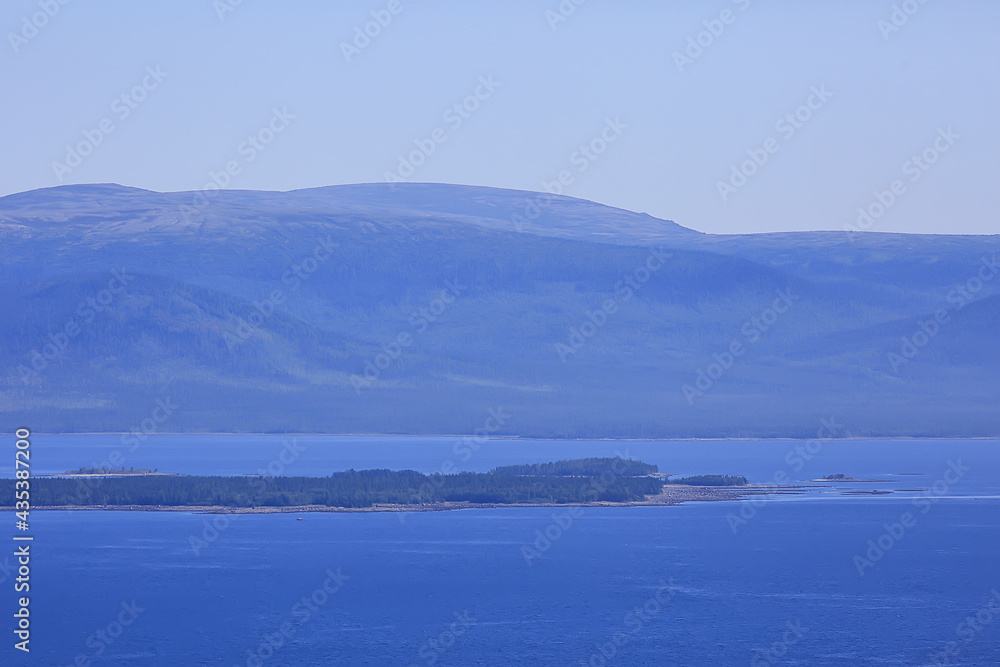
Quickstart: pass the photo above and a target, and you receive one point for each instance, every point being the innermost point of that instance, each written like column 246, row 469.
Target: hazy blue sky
column 679, row 132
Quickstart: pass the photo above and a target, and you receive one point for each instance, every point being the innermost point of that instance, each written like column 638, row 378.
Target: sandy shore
column 853, row 480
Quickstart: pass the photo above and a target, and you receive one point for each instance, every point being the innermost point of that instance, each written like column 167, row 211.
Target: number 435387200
column 22, row 466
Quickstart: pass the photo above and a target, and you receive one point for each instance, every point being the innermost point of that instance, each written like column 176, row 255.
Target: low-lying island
column 592, row 481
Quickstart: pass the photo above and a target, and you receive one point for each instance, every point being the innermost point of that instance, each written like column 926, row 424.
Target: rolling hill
column 421, row 308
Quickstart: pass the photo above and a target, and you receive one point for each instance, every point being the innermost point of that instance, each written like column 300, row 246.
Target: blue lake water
column 488, row 587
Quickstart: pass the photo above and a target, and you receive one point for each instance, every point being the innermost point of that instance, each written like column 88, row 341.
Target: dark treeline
column 350, row 489
column 593, row 467
column 711, row 480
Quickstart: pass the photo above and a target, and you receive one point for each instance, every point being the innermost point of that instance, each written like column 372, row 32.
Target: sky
column 726, row 116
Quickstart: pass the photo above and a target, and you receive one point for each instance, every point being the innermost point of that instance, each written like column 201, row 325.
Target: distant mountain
column 425, row 308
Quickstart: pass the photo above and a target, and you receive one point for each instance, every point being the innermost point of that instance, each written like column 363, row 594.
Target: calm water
column 456, row 588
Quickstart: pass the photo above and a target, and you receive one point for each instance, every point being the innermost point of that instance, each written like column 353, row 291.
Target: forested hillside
column 443, row 309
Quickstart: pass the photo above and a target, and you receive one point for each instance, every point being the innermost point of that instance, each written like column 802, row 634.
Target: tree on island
column 557, row 483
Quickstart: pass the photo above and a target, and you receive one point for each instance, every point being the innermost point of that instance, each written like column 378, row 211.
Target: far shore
column 112, row 474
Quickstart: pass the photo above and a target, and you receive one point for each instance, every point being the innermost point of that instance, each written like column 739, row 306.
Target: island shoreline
column 671, row 496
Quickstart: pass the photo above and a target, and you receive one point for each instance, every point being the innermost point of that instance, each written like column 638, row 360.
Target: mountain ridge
column 314, row 286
